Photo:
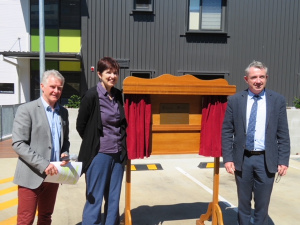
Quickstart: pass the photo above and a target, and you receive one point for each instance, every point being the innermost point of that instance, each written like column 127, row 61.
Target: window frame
column 223, row 29
column 145, row 72
column 143, row 10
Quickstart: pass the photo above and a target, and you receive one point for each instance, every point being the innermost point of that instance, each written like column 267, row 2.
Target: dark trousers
column 254, row 178
column 103, row 180
column 41, row 199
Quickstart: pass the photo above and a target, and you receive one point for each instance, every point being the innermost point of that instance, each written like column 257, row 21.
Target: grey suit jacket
column 31, row 139
column 277, row 140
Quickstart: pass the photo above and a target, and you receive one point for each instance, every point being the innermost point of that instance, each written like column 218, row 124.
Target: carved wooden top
column 177, row 85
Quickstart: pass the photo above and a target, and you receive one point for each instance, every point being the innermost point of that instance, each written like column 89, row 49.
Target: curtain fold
column 138, row 115
column 213, row 112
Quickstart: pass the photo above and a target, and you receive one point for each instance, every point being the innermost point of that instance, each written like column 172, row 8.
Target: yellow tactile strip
column 204, row 165
column 7, row 187
column 140, row 167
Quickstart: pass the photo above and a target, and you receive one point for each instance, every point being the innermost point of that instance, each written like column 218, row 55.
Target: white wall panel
column 14, row 36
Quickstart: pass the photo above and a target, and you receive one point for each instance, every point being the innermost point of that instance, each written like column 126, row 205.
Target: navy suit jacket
column 277, row 140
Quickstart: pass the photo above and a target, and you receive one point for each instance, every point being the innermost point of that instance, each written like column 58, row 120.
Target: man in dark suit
column 255, row 161
column 40, row 136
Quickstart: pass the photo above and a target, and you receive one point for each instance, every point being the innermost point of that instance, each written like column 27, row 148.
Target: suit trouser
column 103, row 180
column 254, row 178
column 42, row 198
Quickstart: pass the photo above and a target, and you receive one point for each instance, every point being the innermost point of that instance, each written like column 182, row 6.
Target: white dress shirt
column 260, row 126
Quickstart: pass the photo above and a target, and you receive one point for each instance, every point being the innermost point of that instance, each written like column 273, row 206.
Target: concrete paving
column 177, row 194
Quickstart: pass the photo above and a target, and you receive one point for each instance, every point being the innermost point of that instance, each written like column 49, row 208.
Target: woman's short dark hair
column 108, row 63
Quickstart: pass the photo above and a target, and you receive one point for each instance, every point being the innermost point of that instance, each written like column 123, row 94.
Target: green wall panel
column 34, row 40
column 69, row 66
column 51, row 40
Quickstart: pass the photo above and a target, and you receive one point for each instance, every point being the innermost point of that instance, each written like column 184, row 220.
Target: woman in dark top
column 101, row 123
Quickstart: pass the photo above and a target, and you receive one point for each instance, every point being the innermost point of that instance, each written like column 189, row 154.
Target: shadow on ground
column 154, row 215
column 158, row 214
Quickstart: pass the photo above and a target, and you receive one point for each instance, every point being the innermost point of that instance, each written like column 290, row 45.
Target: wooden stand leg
column 127, row 212
column 214, row 209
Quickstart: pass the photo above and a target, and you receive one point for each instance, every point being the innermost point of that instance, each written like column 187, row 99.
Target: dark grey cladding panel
column 263, row 30
column 124, row 63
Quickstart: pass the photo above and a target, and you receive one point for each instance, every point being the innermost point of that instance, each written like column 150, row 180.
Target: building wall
column 24, row 80
column 263, row 30
column 268, row 31
column 151, row 42
column 14, row 36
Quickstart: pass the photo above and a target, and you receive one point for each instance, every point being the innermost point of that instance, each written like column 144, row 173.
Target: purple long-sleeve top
column 110, row 142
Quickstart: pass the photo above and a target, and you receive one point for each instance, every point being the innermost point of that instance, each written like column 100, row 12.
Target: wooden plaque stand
column 173, row 89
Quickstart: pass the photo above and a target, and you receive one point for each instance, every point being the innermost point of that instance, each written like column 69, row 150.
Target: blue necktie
column 251, row 125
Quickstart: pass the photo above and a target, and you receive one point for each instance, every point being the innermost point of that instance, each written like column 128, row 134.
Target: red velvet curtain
column 138, row 115
column 213, row 113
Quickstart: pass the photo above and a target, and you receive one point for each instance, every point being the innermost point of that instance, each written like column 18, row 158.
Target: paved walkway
column 6, row 150
column 176, row 194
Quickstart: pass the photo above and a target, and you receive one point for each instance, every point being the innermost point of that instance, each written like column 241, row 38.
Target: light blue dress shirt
column 55, row 128
column 260, row 126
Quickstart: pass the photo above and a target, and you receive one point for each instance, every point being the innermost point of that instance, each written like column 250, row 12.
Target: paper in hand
column 68, row 174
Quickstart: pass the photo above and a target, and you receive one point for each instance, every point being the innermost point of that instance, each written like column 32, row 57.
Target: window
column 62, row 25
column 51, row 14
column 206, row 16
column 143, row 5
column 141, row 74
column 62, row 34
column 58, row 14
column 70, row 14
column 208, row 77
column 71, row 70
column 7, row 88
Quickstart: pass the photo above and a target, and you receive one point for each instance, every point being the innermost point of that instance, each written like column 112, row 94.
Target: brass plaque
column 174, row 113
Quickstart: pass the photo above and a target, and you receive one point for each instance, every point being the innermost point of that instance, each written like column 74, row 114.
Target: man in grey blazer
column 40, row 136
column 269, row 152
